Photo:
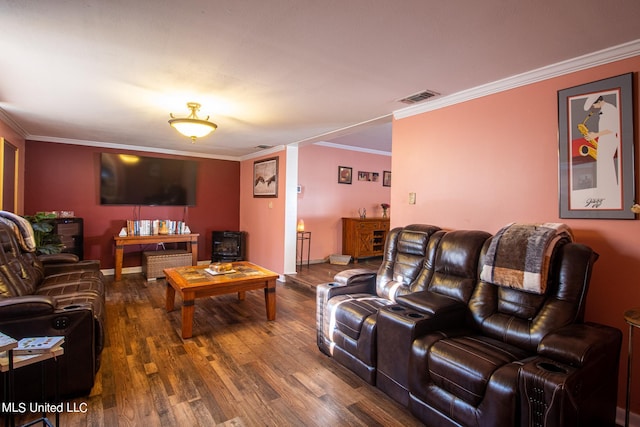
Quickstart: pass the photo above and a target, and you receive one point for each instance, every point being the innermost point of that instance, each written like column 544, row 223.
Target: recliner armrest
column 445, row 311
column 355, row 276
column 58, row 258
column 580, row 344
column 57, row 267
column 353, row 281
column 26, row 306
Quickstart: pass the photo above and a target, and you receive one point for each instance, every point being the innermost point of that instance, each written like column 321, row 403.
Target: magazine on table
column 35, row 345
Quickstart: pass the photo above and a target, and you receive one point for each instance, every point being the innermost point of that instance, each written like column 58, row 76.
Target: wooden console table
column 190, row 239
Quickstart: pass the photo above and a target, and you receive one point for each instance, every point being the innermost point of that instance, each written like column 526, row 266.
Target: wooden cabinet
column 363, row 238
column 71, row 232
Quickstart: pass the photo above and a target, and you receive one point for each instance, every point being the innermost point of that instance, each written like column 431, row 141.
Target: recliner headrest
column 412, row 242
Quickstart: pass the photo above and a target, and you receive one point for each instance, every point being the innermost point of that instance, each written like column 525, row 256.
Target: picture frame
column 596, row 149
column 265, row 177
column 386, row 178
column 364, row 176
column 345, row 175
column 8, row 175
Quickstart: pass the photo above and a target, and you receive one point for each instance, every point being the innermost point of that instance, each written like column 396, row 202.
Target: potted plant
column 47, row 242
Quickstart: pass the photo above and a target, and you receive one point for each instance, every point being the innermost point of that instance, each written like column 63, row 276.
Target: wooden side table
column 7, row 344
column 121, row 241
column 9, row 362
column 302, row 237
column 632, row 317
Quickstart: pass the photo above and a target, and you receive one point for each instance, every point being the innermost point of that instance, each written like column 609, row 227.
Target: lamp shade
column 192, row 126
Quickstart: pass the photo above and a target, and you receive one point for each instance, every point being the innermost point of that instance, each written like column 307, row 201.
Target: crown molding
column 6, row 118
column 605, row 56
column 344, row 130
column 128, row 147
column 262, row 153
column 351, row 148
column 144, row 149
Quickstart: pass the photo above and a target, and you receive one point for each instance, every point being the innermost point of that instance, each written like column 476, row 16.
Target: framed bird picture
column 596, row 161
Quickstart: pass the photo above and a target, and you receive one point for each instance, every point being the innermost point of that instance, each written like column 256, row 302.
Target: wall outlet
column 412, row 198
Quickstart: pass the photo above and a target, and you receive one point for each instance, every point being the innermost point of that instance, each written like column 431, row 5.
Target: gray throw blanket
column 519, row 255
column 22, row 229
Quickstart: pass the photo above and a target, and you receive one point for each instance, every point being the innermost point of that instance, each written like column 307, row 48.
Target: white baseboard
column 138, row 269
column 125, row 270
column 634, row 419
column 131, row 270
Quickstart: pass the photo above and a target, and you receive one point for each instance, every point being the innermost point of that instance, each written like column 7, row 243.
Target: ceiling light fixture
column 192, row 126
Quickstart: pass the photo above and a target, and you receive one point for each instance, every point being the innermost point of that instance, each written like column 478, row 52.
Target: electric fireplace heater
column 228, row 246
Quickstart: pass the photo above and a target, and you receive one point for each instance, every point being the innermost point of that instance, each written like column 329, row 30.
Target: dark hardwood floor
column 238, row 370
column 310, row 277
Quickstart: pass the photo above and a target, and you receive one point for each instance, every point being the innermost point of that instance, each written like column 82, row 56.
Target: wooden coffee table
column 194, row 282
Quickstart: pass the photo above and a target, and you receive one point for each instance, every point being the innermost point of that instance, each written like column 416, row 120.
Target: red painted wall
column 66, row 177
column 487, row 162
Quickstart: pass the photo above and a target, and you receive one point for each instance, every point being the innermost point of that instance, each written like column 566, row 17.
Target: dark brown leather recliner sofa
column 51, row 295
column 432, row 331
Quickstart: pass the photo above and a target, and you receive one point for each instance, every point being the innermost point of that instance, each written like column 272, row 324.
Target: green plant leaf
column 46, row 241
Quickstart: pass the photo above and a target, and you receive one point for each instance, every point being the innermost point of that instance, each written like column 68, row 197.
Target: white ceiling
column 271, row 72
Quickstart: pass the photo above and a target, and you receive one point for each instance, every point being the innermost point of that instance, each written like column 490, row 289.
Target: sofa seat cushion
column 88, row 300
column 72, row 282
column 464, row 365
column 86, row 294
column 352, row 311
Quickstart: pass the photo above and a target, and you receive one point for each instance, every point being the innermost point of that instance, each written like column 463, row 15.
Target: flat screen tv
column 127, row 179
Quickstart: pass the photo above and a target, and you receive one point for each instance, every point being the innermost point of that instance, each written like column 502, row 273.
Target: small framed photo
column 265, row 178
column 364, row 176
column 386, row 178
column 344, row 175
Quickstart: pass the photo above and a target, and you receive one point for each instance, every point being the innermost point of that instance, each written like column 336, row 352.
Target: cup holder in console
column 71, row 307
column 397, row 308
column 415, row 315
column 550, row 367
column 333, row 284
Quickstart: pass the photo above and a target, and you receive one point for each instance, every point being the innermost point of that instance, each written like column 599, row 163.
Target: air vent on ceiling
column 264, row 147
column 418, row 97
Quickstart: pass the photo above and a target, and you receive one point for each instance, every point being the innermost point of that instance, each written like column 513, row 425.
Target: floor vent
column 418, row 97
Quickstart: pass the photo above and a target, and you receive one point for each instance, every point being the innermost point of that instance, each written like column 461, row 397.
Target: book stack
column 29, row 350
column 153, row 227
column 37, row 345
column 7, row 343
